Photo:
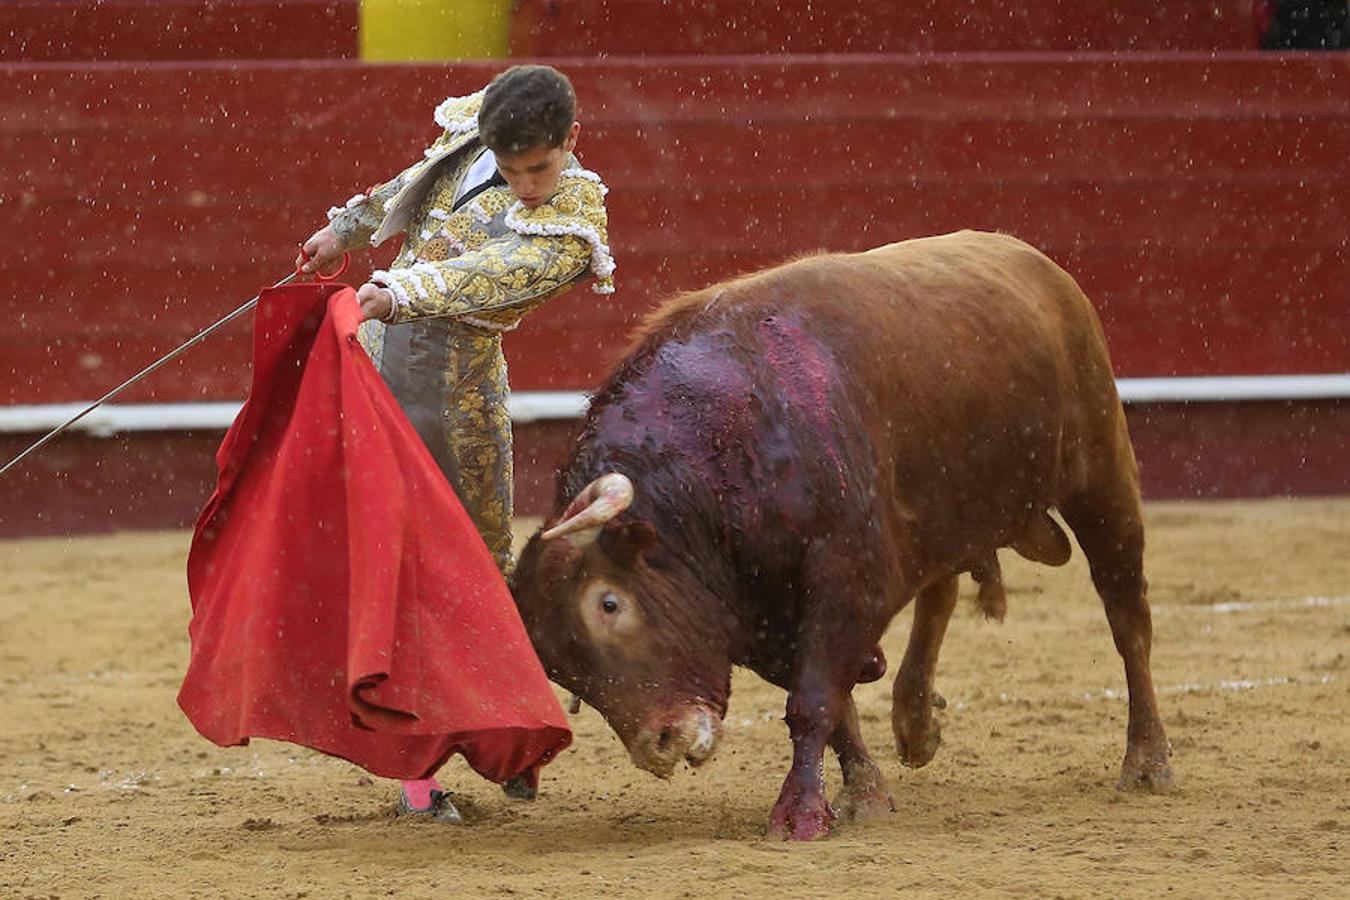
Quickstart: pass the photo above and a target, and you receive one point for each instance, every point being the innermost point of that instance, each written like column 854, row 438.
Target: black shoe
column 519, row 789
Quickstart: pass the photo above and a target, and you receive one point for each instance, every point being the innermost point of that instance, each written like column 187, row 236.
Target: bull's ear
column 625, row 542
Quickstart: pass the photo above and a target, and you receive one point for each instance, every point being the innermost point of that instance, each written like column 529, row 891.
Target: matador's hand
column 376, row 302
column 321, row 253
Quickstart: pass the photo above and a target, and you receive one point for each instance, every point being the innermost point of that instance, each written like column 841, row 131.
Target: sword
column 168, row 357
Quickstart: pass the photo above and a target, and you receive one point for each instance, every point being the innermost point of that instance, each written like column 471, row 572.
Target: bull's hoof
column 1146, row 771
column 864, row 795
column 917, row 742
column 864, row 803
column 800, row 818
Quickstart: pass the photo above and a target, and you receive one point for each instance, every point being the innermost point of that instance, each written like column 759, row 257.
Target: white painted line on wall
column 113, row 419
column 527, row 406
column 1233, row 387
column 535, row 406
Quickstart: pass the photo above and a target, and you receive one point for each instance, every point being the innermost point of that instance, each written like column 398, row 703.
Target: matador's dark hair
column 526, row 107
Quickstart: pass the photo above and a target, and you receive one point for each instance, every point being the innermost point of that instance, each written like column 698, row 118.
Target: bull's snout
column 690, row 735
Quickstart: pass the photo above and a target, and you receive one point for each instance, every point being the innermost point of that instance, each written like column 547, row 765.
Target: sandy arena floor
column 106, row 791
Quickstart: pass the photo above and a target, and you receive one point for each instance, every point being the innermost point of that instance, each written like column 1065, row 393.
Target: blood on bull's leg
column 802, row 812
column 917, row 733
column 865, row 795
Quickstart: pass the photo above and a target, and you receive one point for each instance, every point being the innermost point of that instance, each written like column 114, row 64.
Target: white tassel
column 457, row 127
column 355, row 201
column 427, row 269
column 478, row 213
column 602, row 263
column 389, row 282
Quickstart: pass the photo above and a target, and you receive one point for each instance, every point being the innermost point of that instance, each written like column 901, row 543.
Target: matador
column 499, row 217
column 478, row 255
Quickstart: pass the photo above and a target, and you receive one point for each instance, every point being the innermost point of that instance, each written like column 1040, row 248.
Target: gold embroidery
column 495, row 201
column 436, row 249
column 500, row 274
column 478, row 434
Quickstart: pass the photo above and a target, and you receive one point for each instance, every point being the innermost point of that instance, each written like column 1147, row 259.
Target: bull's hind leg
column 917, row 734
column 865, row 795
column 1108, row 523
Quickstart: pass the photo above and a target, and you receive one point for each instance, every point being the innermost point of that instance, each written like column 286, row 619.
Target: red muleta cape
column 341, row 597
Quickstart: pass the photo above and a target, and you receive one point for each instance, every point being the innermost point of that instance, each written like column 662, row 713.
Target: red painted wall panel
column 661, row 27
column 1201, row 201
column 81, row 30
column 1200, row 194
column 1255, row 449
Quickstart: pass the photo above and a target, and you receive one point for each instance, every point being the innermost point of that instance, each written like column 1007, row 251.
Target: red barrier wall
column 1200, row 199
column 83, row 30
column 684, row 27
column 161, row 480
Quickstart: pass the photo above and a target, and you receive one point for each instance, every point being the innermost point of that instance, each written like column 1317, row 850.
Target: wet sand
column 106, row 791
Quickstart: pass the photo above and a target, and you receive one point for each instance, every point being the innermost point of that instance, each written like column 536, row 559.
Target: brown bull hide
column 811, row 448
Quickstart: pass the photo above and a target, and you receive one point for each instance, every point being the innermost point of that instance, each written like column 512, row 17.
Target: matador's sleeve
column 355, row 222
column 546, row 248
column 504, row 272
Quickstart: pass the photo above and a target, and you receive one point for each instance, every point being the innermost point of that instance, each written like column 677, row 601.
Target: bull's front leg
column 802, row 813
column 836, row 638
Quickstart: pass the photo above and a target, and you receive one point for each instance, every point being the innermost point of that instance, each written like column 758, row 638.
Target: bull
column 784, row 461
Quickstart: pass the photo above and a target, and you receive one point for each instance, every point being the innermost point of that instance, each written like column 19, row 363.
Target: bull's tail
column 991, row 599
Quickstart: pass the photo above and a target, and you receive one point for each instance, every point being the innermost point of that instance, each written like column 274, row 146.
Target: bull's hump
column 739, row 380
column 753, row 399
column 690, row 393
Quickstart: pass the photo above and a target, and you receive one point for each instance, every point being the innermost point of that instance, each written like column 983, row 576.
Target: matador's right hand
column 321, row 253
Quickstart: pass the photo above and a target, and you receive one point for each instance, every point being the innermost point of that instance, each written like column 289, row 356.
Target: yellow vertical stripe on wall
column 406, row 30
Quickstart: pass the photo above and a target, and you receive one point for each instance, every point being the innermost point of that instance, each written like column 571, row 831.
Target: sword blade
column 167, row 358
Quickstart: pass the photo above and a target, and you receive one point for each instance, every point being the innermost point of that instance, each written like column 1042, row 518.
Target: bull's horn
column 601, row 500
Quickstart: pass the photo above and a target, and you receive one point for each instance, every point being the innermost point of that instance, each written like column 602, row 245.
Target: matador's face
column 533, row 174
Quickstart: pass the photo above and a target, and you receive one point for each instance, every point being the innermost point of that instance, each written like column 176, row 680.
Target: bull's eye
column 608, row 613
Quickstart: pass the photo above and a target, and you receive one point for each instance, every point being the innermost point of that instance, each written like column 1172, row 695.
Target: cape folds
column 341, row 597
